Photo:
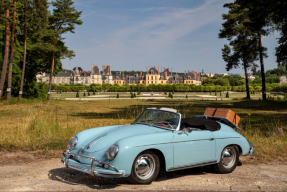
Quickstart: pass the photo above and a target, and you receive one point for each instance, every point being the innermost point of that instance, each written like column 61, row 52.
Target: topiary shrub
column 227, row 94
column 210, row 93
column 135, row 95
column 139, row 92
column 275, row 94
column 94, row 92
column 215, row 93
column 84, row 94
column 88, row 93
column 118, row 96
column 77, row 95
column 186, row 96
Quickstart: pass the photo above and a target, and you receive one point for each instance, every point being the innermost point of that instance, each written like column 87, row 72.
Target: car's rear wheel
column 145, row 168
column 228, row 160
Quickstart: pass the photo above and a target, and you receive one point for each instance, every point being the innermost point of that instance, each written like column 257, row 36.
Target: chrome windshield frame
column 176, row 129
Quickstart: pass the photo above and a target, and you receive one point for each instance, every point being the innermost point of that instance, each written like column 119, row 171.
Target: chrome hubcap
column 145, row 166
column 228, row 157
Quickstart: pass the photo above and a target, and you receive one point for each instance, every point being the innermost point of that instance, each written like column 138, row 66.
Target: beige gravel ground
column 30, row 174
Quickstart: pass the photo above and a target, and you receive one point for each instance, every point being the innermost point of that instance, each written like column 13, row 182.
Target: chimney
column 88, row 71
column 164, row 68
column 141, row 74
column 65, row 71
column 158, row 70
column 171, row 72
column 185, row 73
column 109, row 68
column 92, row 67
column 103, row 68
column 155, row 67
column 84, row 73
column 146, row 69
column 165, row 75
column 176, row 75
column 120, row 72
column 137, row 75
column 149, row 67
column 161, row 70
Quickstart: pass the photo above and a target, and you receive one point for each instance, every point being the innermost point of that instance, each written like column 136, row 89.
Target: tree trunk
column 6, row 54
column 24, row 57
column 262, row 67
column 9, row 86
column 246, row 81
column 51, row 76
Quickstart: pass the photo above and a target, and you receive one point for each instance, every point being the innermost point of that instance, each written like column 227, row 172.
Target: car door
column 193, row 148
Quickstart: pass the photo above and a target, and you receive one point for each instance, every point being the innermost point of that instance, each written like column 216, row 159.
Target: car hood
column 97, row 142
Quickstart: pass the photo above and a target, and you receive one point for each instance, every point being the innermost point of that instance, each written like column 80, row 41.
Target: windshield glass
column 158, row 118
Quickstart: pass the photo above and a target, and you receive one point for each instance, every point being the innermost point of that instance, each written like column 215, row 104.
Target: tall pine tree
column 259, row 23
column 63, row 20
column 242, row 49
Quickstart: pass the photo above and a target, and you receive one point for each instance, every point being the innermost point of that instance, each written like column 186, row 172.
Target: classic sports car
column 159, row 139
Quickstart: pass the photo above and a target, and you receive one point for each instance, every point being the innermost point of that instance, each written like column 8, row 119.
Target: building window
column 92, row 77
column 155, row 78
column 176, row 81
column 133, row 82
column 151, row 82
column 86, row 81
column 181, row 81
column 188, row 77
column 172, row 81
column 161, row 82
column 151, row 71
column 151, row 77
column 155, row 82
column 191, row 81
column 148, row 78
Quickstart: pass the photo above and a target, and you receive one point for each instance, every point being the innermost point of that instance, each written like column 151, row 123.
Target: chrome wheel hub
column 145, row 166
column 228, row 157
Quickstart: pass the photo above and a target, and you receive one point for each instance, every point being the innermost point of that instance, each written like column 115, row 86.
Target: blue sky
column 132, row 34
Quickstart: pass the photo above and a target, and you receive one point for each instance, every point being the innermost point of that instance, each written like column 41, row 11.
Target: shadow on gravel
column 73, row 177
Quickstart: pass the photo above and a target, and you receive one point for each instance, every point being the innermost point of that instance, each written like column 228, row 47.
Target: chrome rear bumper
column 90, row 169
column 251, row 150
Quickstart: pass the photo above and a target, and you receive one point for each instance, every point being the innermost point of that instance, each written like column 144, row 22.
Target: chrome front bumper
column 91, row 169
column 251, row 150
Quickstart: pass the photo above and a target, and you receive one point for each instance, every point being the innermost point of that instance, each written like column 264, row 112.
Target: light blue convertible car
column 158, row 140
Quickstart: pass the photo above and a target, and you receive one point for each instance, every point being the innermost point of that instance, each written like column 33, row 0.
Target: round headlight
column 112, row 152
column 72, row 143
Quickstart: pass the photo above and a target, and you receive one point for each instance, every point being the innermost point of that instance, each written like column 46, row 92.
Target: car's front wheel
column 145, row 168
column 229, row 160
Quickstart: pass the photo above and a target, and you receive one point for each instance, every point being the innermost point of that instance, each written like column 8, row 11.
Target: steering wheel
column 165, row 123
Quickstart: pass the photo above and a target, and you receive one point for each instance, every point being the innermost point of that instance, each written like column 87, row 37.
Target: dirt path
column 51, row 175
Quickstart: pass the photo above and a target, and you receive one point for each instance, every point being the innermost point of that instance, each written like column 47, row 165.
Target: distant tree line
column 166, row 88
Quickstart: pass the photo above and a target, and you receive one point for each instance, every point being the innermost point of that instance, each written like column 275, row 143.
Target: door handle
column 211, row 139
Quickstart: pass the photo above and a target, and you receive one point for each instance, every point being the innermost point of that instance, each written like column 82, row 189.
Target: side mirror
column 189, row 130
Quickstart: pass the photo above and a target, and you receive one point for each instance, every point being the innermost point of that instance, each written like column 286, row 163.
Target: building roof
column 155, row 71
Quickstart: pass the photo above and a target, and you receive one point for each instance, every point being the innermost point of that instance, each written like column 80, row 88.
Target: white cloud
column 162, row 28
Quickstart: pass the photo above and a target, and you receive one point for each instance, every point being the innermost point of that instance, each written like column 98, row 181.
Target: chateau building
column 154, row 75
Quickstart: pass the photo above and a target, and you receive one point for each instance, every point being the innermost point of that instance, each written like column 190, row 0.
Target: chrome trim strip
column 228, row 138
column 191, row 166
column 209, row 139
column 95, row 140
